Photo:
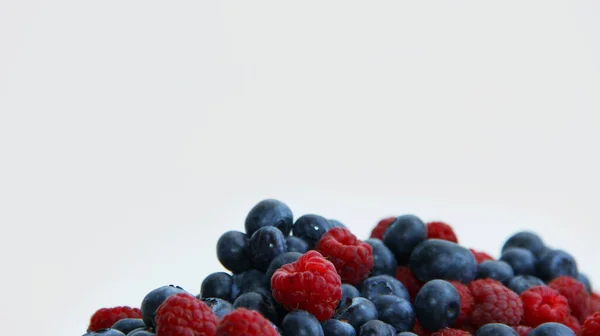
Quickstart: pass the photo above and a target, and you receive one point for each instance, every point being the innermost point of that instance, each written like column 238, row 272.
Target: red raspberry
column 353, row 258
column 591, row 326
column 466, row 303
column 451, row 332
column 481, row 256
column 184, row 315
column 408, row 279
column 576, row 295
column 494, row 303
column 543, row 304
column 572, row 322
column 380, row 228
column 593, row 303
column 419, row 330
column 242, row 322
column 311, row 283
column 523, row 330
column 441, row 230
column 106, row 317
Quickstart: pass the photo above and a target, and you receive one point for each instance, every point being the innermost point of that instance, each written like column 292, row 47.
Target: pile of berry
column 312, row 276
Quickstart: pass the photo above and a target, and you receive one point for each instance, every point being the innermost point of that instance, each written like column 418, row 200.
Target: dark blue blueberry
column 383, row 285
column 233, row 251
column 407, row 333
column 336, row 223
column 556, row 263
column 249, row 281
column 585, row 281
column 280, row 260
column 551, row 329
column 258, row 302
column 527, row 240
column 384, row 260
column 377, row 328
column 217, row 285
column 311, row 228
column 127, row 325
column 495, row 269
column 521, row 283
column 141, row 332
column 359, row 312
column 441, row 259
column 334, row 327
column 301, row 323
column 154, row 299
column 269, row 212
column 266, row 244
column 521, row 260
column 437, row 305
column 349, row 292
column 395, row 311
column 107, row 332
column 496, row 329
column 403, row 235
column 295, row 244
column 219, row 306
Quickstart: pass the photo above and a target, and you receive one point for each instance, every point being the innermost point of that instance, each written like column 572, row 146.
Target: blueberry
column 497, row 270
column 384, row 260
column 301, row 323
column 403, row 235
column 336, row 223
column 233, row 252
column 521, row 283
column 395, row 311
column 377, row 328
column 311, row 228
column 585, row 281
column 527, row 240
column 407, row 333
column 349, row 292
column 359, row 312
column 441, row 259
column 266, row 244
column 295, row 244
column 551, row 329
column 334, row 327
column 556, row 263
column 521, row 260
column 106, row 332
column 219, row 306
column 383, row 285
column 154, row 299
column 141, row 332
column 437, row 305
column 496, row 329
column 250, row 281
column 217, row 285
column 269, row 212
column 280, row 260
column 127, row 325
column 260, row 303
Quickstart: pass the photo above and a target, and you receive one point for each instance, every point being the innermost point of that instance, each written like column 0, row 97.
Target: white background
column 133, row 133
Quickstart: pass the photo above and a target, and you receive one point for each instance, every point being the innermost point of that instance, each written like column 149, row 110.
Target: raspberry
column 182, row 315
column 594, row 303
column 451, row 332
column 441, row 230
column 573, row 323
column 481, row 256
column 353, row 259
column 406, row 276
column 522, row 330
column 242, row 321
column 380, row 228
column 543, row 304
column 494, row 303
column 591, row 326
column 311, row 283
column 466, row 303
column 106, row 317
column 576, row 295
column 419, row 330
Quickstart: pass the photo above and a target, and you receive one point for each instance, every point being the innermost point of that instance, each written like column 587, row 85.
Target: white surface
column 133, row 133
